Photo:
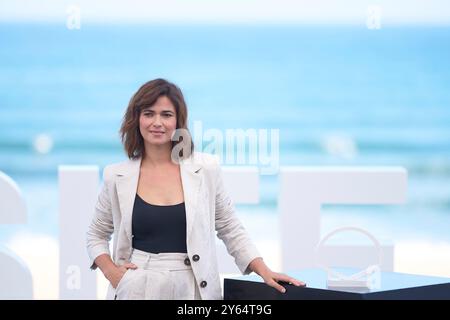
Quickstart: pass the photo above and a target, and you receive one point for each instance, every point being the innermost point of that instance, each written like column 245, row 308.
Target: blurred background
column 345, row 82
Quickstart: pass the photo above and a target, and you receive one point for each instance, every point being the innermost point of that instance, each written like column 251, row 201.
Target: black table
column 393, row 286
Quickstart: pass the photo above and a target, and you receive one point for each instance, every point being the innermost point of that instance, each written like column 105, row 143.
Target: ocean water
column 339, row 96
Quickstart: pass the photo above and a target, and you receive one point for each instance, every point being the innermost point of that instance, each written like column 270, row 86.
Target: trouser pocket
column 124, row 283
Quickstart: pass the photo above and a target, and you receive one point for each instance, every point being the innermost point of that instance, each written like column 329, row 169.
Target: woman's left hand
column 272, row 278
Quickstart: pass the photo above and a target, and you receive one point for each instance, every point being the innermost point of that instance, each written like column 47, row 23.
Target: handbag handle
column 366, row 271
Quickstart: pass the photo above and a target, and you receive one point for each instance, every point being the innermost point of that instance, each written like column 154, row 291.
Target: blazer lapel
column 191, row 179
column 126, row 184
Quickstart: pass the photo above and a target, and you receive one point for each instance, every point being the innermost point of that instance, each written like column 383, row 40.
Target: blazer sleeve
column 230, row 230
column 101, row 227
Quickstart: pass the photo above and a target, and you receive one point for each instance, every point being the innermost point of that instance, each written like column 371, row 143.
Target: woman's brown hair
column 146, row 97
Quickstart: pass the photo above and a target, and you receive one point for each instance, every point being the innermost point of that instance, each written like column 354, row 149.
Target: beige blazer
column 208, row 210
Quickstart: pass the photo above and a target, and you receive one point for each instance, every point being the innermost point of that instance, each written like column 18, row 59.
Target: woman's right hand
column 115, row 275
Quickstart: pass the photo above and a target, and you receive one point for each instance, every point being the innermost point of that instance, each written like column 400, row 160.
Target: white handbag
column 363, row 281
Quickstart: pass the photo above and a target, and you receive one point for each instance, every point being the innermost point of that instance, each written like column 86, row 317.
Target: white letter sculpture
column 305, row 189
column 78, row 190
column 15, row 277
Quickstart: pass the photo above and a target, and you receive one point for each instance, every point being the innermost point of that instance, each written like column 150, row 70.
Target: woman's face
column 158, row 122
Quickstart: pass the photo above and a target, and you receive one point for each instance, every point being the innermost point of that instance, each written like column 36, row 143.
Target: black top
column 158, row 228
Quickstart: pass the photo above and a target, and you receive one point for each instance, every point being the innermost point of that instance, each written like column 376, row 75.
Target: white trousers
column 162, row 276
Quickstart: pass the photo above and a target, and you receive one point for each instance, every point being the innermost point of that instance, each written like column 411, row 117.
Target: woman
column 164, row 206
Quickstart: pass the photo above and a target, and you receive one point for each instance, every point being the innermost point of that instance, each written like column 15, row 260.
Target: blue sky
column 434, row 12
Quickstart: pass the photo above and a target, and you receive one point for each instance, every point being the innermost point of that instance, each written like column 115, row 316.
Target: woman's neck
column 157, row 155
